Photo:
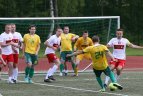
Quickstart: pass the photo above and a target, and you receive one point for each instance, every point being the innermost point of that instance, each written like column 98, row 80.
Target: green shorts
column 64, row 54
column 99, row 72
column 31, row 58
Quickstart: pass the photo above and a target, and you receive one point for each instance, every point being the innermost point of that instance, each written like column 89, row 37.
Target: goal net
column 104, row 27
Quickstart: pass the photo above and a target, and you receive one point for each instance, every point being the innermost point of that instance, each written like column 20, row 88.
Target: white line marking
column 76, row 89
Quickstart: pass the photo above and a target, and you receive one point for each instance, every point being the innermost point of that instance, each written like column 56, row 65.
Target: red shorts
column 8, row 58
column 51, row 57
column 15, row 58
column 119, row 62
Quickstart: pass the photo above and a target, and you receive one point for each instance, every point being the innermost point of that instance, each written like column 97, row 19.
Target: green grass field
column 84, row 85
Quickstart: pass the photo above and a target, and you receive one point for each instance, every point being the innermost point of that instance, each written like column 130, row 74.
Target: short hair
column 12, row 24
column 119, row 29
column 58, row 28
column 32, row 26
column 95, row 39
column 85, row 32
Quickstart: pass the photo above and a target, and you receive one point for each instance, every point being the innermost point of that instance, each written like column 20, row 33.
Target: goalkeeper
column 98, row 54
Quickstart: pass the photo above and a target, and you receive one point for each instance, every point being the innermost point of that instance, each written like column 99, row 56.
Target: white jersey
column 6, row 38
column 119, row 47
column 16, row 39
column 53, row 41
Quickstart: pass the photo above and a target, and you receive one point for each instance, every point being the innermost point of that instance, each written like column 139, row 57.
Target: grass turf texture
column 131, row 81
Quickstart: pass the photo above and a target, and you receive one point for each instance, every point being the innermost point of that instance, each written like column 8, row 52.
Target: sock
column 112, row 77
column 54, row 69
column 117, row 76
column 100, row 82
column 31, row 73
column 61, row 67
column 15, row 73
column 48, row 73
column 27, row 70
column 9, row 78
column 76, row 71
column 73, row 67
column 107, row 80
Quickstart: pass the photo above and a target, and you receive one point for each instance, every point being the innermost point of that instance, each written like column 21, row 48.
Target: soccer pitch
column 84, row 85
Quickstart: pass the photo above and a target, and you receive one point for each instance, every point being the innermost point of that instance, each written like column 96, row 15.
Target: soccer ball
column 112, row 87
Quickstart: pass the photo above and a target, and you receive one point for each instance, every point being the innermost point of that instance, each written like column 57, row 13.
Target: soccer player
column 6, row 48
column 99, row 61
column 119, row 47
column 31, row 48
column 17, row 39
column 52, row 44
column 81, row 44
column 66, row 48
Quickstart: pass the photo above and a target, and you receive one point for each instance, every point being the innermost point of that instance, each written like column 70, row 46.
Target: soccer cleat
column 61, row 74
column 10, row 82
column 105, row 86
column 14, row 81
column 47, row 80
column 102, row 90
column 75, row 75
column 26, row 79
column 52, row 78
column 118, row 86
column 30, row 80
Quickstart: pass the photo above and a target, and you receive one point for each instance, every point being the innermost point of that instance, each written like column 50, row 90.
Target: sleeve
column 105, row 48
column 1, row 38
column 87, row 49
column 128, row 42
column 110, row 43
column 20, row 38
column 50, row 40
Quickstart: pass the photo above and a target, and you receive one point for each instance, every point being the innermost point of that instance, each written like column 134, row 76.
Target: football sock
column 76, row 71
column 27, row 70
column 61, row 67
column 54, row 69
column 31, row 73
column 74, row 67
column 48, row 73
column 100, row 82
column 112, row 77
column 107, row 79
column 15, row 73
column 117, row 76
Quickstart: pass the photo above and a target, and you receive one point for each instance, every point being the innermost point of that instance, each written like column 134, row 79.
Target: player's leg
column 28, row 67
column 63, row 58
column 110, row 73
column 15, row 68
column 10, row 67
column 119, row 68
column 112, row 67
column 98, row 78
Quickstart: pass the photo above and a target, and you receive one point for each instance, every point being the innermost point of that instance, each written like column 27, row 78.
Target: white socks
column 15, row 73
column 51, row 71
column 107, row 78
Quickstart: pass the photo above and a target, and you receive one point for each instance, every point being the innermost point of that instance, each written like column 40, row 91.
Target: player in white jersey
column 17, row 39
column 119, row 52
column 52, row 44
column 6, row 47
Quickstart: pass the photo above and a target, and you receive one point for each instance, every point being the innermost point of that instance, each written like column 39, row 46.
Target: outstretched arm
column 75, row 53
column 110, row 55
column 135, row 46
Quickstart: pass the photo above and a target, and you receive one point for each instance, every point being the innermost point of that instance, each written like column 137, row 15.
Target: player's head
column 66, row 29
column 32, row 29
column 13, row 27
column 95, row 39
column 8, row 28
column 59, row 31
column 85, row 34
column 119, row 33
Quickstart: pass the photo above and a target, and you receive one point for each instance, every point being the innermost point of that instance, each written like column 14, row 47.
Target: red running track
column 133, row 62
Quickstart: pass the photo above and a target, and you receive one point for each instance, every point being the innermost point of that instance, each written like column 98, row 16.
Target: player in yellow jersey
column 31, row 48
column 66, row 48
column 81, row 44
column 99, row 61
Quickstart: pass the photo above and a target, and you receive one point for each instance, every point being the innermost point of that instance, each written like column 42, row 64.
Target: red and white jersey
column 53, row 41
column 16, row 39
column 6, row 38
column 119, row 47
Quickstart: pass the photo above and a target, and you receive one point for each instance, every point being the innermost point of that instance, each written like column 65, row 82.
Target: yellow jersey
column 31, row 43
column 98, row 55
column 82, row 43
column 66, row 41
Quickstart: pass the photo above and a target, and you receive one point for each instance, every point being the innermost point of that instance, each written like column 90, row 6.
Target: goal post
column 103, row 26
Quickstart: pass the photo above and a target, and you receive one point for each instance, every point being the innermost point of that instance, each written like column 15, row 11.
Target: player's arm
column 38, row 46
column 135, row 46
column 75, row 53
column 76, row 45
column 3, row 62
column 110, row 55
column 48, row 45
